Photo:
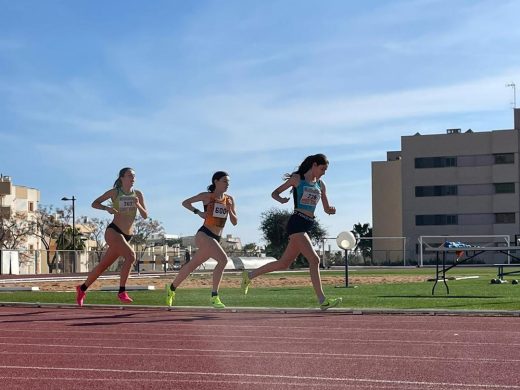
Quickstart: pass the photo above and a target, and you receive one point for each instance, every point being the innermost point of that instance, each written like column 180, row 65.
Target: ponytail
column 216, row 176
column 118, row 183
column 306, row 165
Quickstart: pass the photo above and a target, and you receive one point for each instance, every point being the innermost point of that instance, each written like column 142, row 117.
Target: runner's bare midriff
column 124, row 222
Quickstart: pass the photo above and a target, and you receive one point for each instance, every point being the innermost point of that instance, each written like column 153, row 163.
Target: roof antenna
column 513, row 85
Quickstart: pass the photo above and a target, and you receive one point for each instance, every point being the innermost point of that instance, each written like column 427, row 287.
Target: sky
column 180, row 89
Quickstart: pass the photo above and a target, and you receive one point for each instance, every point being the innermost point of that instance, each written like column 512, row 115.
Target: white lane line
column 294, row 340
column 332, row 330
column 448, row 332
column 254, row 353
column 202, row 381
column 264, row 376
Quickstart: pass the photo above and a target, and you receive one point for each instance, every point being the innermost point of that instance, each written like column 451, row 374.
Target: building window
column 451, row 220
column 504, row 188
column 505, row 218
column 504, row 158
column 435, row 162
column 476, row 219
column 422, row 191
column 31, row 206
column 436, row 219
column 450, row 161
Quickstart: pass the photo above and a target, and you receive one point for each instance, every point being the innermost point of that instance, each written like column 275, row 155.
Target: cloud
column 250, row 123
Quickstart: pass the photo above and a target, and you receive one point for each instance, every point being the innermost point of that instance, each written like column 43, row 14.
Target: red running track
column 89, row 348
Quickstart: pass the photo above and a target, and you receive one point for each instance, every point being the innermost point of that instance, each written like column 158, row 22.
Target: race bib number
column 310, row 196
column 220, row 211
column 126, row 204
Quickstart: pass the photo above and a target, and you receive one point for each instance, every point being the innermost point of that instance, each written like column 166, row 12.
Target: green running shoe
column 170, row 296
column 246, row 282
column 329, row 303
column 216, row 303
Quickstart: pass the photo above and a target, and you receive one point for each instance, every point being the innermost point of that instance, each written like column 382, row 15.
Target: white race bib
column 126, row 204
column 310, row 196
column 220, row 211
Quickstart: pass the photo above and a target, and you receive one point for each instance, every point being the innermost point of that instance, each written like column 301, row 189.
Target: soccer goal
column 369, row 251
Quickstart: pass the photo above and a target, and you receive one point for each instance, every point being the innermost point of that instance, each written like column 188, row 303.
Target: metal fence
column 27, row 262
column 384, row 251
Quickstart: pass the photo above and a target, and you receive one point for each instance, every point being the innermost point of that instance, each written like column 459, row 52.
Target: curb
column 272, row 310
column 7, row 289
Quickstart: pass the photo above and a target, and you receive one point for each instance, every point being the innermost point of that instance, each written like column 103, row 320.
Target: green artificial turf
column 468, row 294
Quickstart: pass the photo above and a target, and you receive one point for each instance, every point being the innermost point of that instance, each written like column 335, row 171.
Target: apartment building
column 15, row 199
column 460, row 183
column 20, row 199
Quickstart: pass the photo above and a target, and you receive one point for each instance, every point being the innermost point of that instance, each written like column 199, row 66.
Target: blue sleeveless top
column 307, row 195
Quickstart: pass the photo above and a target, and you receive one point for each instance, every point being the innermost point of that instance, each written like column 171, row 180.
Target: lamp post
column 346, row 241
column 73, row 199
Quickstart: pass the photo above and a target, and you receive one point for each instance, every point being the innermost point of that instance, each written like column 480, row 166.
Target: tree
column 66, row 238
column 95, row 231
column 364, row 246
column 48, row 226
column 250, row 249
column 143, row 230
column 54, row 225
column 14, row 230
column 173, row 241
column 273, row 226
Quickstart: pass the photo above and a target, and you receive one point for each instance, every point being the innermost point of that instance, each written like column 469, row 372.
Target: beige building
column 228, row 243
column 24, row 200
column 14, row 199
column 461, row 183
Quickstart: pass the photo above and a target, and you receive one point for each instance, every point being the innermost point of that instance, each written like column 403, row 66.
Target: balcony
column 5, row 211
column 6, row 187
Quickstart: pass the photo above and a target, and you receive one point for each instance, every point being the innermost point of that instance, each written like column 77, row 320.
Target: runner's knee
column 314, row 261
column 284, row 263
column 130, row 256
column 222, row 260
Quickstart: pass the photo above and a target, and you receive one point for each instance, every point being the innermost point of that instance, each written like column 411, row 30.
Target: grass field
column 468, row 294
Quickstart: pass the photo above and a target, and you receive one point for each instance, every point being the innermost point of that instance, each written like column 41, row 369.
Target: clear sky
column 180, row 89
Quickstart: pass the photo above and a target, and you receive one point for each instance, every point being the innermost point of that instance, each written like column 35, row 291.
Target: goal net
column 369, row 251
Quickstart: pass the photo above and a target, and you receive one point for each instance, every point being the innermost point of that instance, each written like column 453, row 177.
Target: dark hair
column 117, row 183
column 216, row 176
column 319, row 159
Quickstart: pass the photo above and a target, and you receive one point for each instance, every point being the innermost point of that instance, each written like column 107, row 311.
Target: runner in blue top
column 307, row 189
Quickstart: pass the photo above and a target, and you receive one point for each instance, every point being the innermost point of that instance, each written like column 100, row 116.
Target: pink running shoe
column 80, row 296
column 124, row 298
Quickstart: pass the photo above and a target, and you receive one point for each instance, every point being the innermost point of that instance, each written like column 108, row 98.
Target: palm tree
column 365, row 246
column 64, row 243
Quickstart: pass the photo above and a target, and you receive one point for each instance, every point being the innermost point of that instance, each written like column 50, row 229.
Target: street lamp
column 73, row 199
column 346, row 241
